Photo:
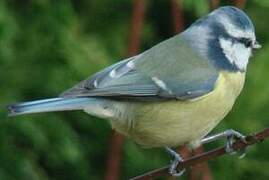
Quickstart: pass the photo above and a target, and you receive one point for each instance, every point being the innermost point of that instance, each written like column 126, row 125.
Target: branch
column 213, row 4
column 177, row 15
column 238, row 145
column 240, row 3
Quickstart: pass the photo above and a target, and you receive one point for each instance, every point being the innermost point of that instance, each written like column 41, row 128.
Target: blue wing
column 170, row 70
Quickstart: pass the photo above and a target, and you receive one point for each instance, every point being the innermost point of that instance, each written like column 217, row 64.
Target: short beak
column 256, row 45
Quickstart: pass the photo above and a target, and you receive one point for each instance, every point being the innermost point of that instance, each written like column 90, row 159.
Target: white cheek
column 242, row 55
column 236, row 53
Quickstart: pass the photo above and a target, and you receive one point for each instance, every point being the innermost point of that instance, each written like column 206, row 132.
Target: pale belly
column 173, row 123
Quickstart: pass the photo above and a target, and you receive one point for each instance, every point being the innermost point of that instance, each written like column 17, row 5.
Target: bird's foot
column 232, row 135
column 174, row 163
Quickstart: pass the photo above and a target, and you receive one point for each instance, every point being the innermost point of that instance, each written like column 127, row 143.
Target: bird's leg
column 230, row 135
column 176, row 160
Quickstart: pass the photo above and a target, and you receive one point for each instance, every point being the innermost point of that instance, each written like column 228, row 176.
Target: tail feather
column 48, row 105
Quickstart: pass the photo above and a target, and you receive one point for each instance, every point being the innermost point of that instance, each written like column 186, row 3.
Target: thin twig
column 238, row 145
column 177, row 15
column 200, row 171
column 139, row 10
column 213, row 4
column 114, row 156
column 240, row 3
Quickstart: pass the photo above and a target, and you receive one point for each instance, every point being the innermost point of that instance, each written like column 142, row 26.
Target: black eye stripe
column 246, row 41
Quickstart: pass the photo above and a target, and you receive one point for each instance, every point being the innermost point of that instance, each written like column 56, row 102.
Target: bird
column 172, row 94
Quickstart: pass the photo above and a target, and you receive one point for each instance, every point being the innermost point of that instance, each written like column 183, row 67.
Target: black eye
column 247, row 42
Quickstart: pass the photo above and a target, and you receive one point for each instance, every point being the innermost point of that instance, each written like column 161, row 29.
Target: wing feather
column 170, row 70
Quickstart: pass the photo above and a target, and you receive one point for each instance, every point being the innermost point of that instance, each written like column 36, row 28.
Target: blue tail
column 49, row 105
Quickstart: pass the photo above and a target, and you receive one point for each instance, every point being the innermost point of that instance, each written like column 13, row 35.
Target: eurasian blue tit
column 176, row 92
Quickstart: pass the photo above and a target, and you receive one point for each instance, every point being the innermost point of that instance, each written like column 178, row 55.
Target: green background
column 47, row 46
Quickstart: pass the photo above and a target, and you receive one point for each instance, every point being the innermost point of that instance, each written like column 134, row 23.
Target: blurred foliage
column 47, row 46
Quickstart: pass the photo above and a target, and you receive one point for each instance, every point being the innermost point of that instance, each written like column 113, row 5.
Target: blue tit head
column 226, row 37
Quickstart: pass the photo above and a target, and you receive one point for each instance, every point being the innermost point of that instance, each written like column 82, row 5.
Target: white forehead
column 234, row 31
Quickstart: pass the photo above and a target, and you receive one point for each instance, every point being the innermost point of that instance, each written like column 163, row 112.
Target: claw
column 236, row 134
column 174, row 163
column 231, row 136
column 229, row 145
column 242, row 154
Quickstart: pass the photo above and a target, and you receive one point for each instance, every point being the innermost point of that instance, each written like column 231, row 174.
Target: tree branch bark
column 240, row 3
column 177, row 15
column 238, row 145
column 213, row 4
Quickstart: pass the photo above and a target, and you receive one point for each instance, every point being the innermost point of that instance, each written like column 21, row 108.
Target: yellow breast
column 173, row 123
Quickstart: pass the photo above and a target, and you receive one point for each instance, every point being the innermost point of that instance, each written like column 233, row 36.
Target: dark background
column 47, row 46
